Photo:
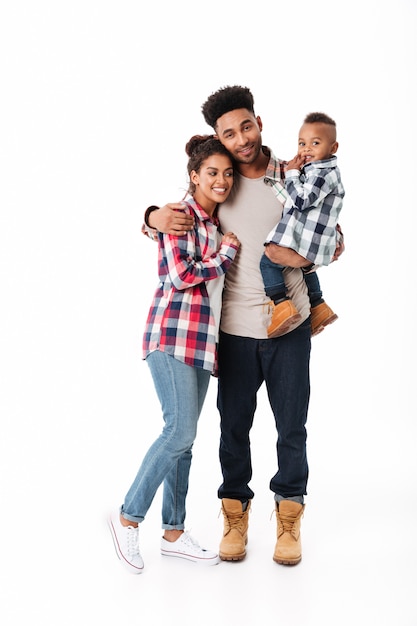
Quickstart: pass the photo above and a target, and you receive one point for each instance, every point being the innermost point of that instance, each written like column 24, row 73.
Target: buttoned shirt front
column 183, row 319
column 315, row 199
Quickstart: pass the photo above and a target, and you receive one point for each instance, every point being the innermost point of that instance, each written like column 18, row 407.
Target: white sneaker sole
column 191, row 557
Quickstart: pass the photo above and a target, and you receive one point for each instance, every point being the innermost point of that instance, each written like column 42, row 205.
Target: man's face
column 240, row 132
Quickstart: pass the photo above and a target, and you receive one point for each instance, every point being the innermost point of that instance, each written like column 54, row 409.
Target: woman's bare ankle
column 126, row 522
column 172, row 535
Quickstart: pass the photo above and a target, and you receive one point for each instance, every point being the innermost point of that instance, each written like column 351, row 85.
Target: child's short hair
column 313, row 118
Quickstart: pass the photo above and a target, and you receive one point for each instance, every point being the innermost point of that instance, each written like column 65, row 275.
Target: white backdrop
column 98, row 101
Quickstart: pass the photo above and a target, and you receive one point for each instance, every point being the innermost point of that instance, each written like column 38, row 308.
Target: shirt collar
column 324, row 163
column 275, row 167
column 200, row 212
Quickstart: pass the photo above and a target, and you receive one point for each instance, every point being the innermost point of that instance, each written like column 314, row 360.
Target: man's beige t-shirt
column 251, row 211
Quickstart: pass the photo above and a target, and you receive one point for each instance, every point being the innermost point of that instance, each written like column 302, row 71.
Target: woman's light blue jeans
column 181, row 391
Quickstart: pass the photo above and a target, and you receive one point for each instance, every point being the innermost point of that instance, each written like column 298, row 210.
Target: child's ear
column 334, row 148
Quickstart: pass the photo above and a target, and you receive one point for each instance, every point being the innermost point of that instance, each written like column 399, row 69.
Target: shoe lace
column 235, row 520
column 132, row 540
column 287, row 521
column 190, row 541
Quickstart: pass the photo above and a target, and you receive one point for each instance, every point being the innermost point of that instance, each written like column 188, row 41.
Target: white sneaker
column 126, row 543
column 185, row 547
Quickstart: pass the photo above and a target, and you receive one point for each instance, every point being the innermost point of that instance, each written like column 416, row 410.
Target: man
column 247, row 358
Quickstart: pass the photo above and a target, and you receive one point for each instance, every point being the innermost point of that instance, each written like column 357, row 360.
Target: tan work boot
column 284, row 317
column 235, row 533
column 288, row 546
column 321, row 316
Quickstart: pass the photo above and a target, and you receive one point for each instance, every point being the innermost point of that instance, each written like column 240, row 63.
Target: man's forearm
column 170, row 219
column 285, row 256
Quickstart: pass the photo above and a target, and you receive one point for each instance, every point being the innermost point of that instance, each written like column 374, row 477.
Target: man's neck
column 257, row 168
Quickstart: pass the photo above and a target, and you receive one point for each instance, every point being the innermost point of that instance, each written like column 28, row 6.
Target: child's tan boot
column 321, row 316
column 284, row 317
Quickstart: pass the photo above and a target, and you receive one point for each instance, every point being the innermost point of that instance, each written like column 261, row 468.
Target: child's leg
column 273, row 279
column 314, row 290
column 284, row 315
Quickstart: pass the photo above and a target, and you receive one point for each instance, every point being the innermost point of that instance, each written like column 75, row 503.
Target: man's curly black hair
column 224, row 100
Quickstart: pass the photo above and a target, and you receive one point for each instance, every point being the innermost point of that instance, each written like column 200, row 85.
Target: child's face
column 317, row 141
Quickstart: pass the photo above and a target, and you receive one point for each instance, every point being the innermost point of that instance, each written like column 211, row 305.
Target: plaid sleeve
column 184, row 266
column 312, row 192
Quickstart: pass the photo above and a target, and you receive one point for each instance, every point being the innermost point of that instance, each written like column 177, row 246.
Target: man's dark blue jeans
column 283, row 363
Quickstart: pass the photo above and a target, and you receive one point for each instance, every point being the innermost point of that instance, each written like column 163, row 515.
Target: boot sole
column 235, row 557
column 284, row 327
column 322, row 325
column 287, row 561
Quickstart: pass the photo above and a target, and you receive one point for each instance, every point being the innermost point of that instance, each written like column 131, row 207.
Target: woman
column 180, row 347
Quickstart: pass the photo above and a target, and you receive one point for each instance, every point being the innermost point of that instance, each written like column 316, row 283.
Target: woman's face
column 213, row 182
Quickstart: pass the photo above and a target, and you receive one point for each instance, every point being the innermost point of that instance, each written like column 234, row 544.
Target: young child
column 309, row 223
